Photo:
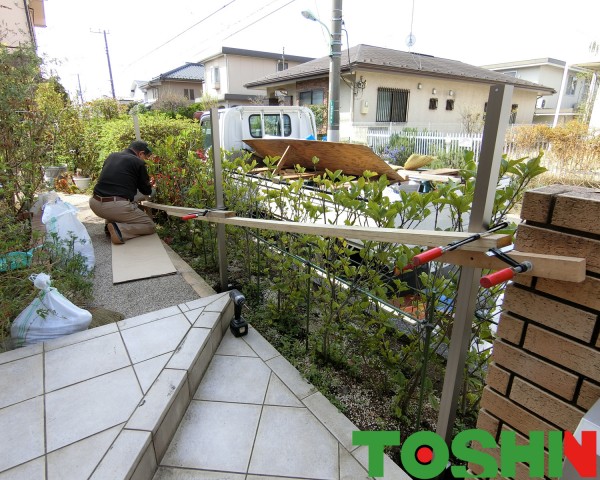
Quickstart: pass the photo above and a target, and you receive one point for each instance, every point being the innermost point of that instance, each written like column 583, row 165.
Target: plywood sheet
column 352, row 159
column 139, row 258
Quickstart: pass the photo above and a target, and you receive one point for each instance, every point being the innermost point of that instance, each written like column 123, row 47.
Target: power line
column 180, row 33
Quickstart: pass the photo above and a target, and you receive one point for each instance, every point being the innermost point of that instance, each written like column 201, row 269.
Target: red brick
column 537, row 204
column 578, row 211
column 511, row 413
column 497, row 378
column 568, row 353
column 586, row 293
column 588, row 395
column 545, row 405
column 524, row 440
column 538, row 240
column 551, row 313
column 541, row 373
column 488, row 422
column 510, row 328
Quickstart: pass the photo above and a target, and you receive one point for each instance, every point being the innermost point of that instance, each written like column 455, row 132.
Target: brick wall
column 545, row 372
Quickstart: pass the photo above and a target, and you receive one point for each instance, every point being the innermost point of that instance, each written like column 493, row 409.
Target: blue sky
column 149, row 37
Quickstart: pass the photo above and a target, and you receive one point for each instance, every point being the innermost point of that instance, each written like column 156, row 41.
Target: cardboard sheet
column 140, row 257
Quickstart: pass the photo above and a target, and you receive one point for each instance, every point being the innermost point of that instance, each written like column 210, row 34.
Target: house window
column 281, row 66
column 312, row 97
column 449, row 104
column 272, row 124
column 513, row 114
column 433, row 103
column 392, row 105
column 571, row 85
column 189, row 93
column 215, row 77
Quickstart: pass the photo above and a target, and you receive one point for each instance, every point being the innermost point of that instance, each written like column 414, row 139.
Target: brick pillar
column 545, row 372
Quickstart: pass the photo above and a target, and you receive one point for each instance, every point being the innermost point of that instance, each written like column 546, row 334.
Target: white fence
column 582, row 164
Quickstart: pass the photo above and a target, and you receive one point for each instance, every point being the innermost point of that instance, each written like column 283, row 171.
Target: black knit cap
column 140, row 146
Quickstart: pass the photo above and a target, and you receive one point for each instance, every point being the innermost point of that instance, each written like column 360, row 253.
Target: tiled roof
column 189, row 71
column 396, row 61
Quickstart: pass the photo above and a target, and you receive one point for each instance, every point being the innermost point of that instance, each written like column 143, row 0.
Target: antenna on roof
column 411, row 39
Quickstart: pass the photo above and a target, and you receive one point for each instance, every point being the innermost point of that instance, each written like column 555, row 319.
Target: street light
column 335, row 55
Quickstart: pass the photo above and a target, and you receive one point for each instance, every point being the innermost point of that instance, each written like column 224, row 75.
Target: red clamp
column 505, row 274
column 191, row 216
column 436, row 252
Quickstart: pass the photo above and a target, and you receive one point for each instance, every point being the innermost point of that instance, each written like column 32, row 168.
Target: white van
column 237, row 124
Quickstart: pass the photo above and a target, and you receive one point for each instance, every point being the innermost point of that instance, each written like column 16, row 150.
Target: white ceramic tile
column 219, row 302
column 89, row 407
column 335, row 421
column 22, row 352
column 391, row 470
column 169, row 473
column 192, row 315
column 155, row 338
column 201, row 302
column 21, row 380
column 147, row 317
column 36, row 469
column 84, row 360
column 291, row 451
column 146, row 466
column 148, row 370
column 166, row 430
column 123, row 458
column 231, row 345
column 234, row 379
column 156, row 403
column 22, row 437
column 183, row 307
column 291, row 377
column 80, row 336
column 199, row 368
column 206, row 319
column 279, row 394
column 257, row 342
column 350, row 469
column 210, row 432
column 79, row 459
column 269, row 477
column 189, row 350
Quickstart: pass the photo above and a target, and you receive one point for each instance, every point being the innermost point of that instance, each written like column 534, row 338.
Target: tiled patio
column 170, row 394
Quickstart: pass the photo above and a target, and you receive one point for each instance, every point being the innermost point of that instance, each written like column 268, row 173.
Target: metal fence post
column 218, row 178
column 494, row 130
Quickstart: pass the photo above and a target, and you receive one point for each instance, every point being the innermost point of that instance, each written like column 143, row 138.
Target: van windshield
column 272, row 125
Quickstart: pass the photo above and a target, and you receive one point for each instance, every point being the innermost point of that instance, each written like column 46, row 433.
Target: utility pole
column 112, row 85
column 80, row 93
column 333, row 125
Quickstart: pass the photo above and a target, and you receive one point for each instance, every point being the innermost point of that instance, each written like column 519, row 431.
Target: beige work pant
column 132, row 221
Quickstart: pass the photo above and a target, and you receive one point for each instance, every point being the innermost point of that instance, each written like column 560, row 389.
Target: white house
column 556, row 74
column 382, row 87
column 229, row 69
column 18, row 17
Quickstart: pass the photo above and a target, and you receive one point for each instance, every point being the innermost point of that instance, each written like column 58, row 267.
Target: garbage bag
column 61, row 218
column 48, row 316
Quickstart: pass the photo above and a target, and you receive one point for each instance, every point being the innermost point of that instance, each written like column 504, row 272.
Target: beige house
column 380, row 87
column 552, row 73
column 17, row 19
column 229, row 69
column 184, row 82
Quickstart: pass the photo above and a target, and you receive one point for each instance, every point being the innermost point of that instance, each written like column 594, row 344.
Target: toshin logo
column 426, row 455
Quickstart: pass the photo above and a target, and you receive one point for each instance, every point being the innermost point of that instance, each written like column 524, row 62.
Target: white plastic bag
column 61, row 218
column 49, row 315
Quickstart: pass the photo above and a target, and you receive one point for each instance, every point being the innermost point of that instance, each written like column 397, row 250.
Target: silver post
column 333, row 125
column 218, row 179
column 496, row 122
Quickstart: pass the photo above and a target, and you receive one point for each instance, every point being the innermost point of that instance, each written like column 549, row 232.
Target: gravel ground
column 131, row 298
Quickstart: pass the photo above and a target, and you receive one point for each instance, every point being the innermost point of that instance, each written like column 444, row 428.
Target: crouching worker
column 123, row 174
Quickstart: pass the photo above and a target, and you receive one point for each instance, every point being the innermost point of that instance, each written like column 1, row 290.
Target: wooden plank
column 570, row 269
column 281, row 161
column 428, row 238
column 352, row 159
